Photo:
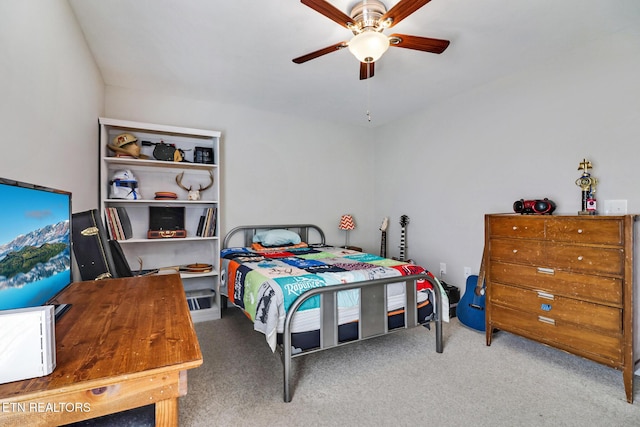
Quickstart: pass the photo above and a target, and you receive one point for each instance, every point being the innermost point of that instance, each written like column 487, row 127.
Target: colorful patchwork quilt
column 264, row 282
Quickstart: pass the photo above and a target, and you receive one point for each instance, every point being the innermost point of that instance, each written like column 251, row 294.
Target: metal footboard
column 372, row 320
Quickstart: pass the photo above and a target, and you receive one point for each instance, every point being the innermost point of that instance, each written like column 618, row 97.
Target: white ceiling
column 240, row 51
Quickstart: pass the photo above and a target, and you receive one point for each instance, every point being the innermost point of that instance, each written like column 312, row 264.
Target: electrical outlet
column 443, row 269
column 467, row 272
column 615, row 207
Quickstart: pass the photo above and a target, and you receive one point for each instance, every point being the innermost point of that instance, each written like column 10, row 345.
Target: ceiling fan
column 368, row 20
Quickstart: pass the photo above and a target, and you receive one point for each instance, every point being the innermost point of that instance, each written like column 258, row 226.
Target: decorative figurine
column 587, row 184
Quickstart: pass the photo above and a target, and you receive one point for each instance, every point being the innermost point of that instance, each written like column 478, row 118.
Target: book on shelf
column 125, row 222
column 193, row 304
column 111, row 230
column 207, row 223
column 201, row 225
column 118, row 223
column 214, row 222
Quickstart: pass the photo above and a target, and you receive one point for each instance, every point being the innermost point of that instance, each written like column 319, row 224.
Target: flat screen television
column 35, row 244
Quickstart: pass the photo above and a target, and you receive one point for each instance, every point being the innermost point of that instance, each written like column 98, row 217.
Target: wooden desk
column 124, row 343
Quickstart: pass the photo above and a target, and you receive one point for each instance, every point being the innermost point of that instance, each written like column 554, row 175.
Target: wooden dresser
column 565, row 281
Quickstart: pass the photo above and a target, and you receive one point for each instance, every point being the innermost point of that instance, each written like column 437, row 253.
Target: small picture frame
column 203, row 155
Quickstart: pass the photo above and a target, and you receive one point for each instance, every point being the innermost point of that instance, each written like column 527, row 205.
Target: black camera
column 539, row 206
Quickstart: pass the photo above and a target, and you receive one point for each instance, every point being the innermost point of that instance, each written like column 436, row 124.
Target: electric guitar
column 404, row 221
column 471, row 307
column 383, row 237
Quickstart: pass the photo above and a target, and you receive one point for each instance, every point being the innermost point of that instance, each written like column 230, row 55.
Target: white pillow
column 277, row 237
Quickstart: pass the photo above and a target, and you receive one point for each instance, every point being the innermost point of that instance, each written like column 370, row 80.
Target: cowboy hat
column 126, row 144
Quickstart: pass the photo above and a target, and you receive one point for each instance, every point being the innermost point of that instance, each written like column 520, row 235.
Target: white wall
column 520, row 137
column 51, row 96
column 276, row 169
column 445, row 167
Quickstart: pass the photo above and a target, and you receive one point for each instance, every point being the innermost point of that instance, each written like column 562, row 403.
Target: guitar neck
column 383, row 245
column 482, row 273
column 403, row 244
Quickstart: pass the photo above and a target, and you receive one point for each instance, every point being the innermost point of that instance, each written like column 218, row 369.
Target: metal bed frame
column 373, row 315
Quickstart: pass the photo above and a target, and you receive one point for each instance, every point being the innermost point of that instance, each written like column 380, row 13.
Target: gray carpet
column 400, row 380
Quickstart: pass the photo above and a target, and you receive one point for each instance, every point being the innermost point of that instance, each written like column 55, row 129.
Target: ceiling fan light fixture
column 368, row 46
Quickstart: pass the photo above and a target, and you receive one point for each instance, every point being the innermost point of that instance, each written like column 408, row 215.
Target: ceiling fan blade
column 402, row 9
column 366, row 70
column 424, row 44
column 318, row 53
column 328, row 10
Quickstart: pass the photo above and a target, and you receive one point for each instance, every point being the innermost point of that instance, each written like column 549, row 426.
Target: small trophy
column 587, row 184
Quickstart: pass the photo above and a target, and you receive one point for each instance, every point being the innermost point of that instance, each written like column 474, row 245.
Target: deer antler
column 179, row 182
column 210, row 184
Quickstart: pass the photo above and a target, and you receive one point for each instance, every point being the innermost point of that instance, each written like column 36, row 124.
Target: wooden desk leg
column 167, row 413
column 167, row 410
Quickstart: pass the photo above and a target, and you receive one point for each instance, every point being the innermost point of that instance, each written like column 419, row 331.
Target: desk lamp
column 347, row 224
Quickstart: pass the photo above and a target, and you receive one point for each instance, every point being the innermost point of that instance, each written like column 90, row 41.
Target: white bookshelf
column 202, row 289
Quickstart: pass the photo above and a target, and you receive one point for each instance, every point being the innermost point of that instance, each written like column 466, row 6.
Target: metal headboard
column 250, row 230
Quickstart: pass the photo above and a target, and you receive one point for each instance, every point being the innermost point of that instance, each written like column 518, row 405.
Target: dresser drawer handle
column 515, row 251
column 580, row 258
column 546, row 270
column 546, row 320
column 515, row 227
column 545, row 295
column 579, row 230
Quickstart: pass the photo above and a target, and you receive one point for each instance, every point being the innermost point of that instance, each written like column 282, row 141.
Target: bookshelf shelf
column 159, row 202
column 167, row 241
column 126, row 161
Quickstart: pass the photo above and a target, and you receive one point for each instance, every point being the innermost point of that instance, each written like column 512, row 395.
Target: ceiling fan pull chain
column 369, row 99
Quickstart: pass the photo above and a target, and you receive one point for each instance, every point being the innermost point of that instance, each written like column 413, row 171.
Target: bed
column 306, row 296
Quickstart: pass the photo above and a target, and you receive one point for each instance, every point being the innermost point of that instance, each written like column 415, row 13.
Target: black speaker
column 453, row 293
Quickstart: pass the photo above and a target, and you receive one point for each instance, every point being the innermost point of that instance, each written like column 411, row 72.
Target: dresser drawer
column 557, row 308
column 517, row 251
column 594, row 231
column 558, row 333
column 585, row 258
column 516, row 226
column 598, row 289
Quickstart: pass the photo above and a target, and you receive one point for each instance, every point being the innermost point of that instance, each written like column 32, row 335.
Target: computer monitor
column 35, row 244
